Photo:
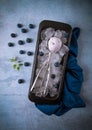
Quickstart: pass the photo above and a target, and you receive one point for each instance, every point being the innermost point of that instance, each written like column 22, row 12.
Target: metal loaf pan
column 43, row 25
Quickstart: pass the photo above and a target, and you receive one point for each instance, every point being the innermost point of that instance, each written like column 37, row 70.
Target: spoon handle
column 48, row 74
column 38, row 76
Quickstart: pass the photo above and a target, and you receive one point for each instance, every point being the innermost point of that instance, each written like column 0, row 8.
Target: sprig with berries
column 16, row 63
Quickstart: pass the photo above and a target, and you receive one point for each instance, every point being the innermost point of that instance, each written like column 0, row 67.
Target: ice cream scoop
column 54, row 44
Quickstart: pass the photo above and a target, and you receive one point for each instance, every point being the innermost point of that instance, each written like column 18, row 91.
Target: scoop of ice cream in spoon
column 54, row 44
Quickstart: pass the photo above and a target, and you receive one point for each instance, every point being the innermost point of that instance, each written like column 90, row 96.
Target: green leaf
column 17, row 64
column 14, row 66
column 20, row 64
column 13, row 59
column 18, row 68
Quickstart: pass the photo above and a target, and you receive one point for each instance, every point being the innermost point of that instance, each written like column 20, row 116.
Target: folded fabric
column 72, row 83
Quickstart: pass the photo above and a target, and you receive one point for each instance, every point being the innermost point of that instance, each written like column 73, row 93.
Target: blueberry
column 28, row 40
column 29, row 53
column 56, row 64
column 41, row 53
column 31, row 26
column 10, row 44
column 13, row 35
column 21, row 42
column 21, row 81
column 22, row 52
column 53, row 76
column 19, row 25
column 56, row 85
column 26, row 64
column 23, row 30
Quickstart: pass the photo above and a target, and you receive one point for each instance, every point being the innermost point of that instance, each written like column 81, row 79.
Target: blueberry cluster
column 56, row 85
column 21, row 81
column 10, row 44
column 41, row 53
column 56, row 64
column 53, row 76
column 22, row 42
column 13, row 35
column 28, row 40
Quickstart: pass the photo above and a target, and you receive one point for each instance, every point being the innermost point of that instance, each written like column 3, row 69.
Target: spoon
column 54, row 45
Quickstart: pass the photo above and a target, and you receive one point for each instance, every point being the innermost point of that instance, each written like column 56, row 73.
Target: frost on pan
column 56, row 68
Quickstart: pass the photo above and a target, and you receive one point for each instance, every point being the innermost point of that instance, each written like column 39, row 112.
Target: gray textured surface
column 16, row 111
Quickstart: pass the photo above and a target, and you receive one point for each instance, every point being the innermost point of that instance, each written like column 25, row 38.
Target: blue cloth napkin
column 72, row 83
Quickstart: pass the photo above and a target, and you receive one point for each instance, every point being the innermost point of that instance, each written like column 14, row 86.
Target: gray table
column 16, row 111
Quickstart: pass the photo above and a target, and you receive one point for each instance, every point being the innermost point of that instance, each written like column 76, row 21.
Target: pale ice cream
column 53, row 41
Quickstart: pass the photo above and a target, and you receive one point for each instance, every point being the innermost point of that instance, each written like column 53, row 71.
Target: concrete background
column 16, row 111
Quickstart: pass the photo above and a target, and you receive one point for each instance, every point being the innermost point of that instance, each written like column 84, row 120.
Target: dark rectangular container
column 43, row 25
